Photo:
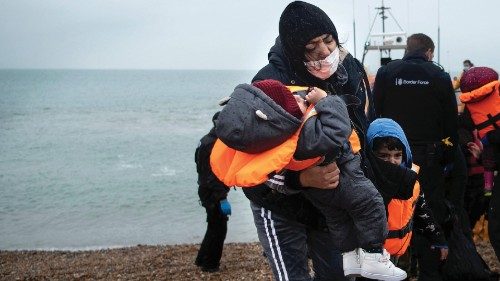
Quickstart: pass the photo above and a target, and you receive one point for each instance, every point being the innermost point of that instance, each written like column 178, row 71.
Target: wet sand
column 240, row 261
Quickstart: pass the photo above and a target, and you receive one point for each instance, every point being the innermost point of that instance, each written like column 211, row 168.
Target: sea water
column 105, row 158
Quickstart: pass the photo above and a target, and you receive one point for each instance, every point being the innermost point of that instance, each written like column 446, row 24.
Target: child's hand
column 477, row 139
column 443, row 251
column 315, row 95
column 474, row 149
column 443, row 254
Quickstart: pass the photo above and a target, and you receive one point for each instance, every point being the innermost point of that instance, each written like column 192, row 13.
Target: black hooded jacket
column 354, row 91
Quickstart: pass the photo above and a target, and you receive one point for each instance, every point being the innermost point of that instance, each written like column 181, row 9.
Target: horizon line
column 127, row 69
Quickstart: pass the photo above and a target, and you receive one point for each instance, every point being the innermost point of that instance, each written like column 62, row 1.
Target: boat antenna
column 390, row 41
column 439, row 37
column 382, row 14
column 354, row 27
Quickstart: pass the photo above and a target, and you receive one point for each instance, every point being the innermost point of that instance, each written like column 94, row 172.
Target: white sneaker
column 351, row 264
column 379, row 266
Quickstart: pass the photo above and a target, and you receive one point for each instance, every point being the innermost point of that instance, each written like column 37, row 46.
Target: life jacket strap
column 400, row 233
column 492, row 121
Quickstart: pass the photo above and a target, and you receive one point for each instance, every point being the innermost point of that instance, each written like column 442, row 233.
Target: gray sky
column 220, row 34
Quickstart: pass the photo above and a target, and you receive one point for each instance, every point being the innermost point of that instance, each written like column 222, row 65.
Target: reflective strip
column 270, row 240
column 276, row 182
column 278, row 249
column 280, row 177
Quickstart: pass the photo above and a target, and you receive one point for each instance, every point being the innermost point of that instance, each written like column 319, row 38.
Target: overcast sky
column 221, row 34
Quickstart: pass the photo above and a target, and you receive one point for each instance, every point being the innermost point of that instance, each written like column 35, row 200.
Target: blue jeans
column 288, row 244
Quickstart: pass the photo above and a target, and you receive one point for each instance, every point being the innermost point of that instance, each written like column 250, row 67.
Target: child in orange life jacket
column 389, row 144
column 258, row 118
column 481, row 95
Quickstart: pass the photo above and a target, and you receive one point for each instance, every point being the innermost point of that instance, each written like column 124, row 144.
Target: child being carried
column 264, row 128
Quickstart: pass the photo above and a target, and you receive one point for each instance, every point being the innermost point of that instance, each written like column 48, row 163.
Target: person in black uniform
column 418, row 94
column 493, row 138
column 213, row 196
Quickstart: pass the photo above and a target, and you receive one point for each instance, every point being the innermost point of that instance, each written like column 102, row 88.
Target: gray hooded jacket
column 252, row 122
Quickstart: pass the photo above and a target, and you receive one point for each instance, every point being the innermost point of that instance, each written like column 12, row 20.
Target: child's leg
column 489, row 168
column 354, row 211
column 355, row 215
column 366, row 207
column 340, row 225
column 364, row 204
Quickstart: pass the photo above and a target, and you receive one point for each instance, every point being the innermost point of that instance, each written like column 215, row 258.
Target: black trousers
column 476, row 204
column 210, row 251
column 494, row 217
column 432, row 182
column 429, row 264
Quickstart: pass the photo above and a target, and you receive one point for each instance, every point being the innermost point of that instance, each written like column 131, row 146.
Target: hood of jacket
column 385, row 127
column 481, row 93
column 277, row 57
column 252, row 122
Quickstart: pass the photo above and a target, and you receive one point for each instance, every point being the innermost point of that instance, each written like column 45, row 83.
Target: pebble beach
column 240, row 261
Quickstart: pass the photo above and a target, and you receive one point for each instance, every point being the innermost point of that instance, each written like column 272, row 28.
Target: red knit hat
column 280, row 94
column 476, row 77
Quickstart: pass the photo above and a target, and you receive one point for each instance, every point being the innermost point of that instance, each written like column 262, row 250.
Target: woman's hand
column 323, row 177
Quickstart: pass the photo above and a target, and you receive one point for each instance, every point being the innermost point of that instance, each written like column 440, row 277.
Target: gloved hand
column 225, row 207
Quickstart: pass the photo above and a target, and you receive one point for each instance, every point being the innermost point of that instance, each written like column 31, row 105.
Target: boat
column 384, row 42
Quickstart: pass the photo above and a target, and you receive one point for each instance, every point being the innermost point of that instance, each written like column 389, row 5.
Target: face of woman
column 320, row 47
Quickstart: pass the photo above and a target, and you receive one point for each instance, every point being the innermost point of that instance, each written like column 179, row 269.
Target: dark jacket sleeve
column 325, row 132
column 211, row 190
column 378, row 91
column 425, row 224
column 493, row 137
column 465, row 120
column 449, row 106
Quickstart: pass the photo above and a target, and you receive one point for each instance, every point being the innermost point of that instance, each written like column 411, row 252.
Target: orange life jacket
column 355, row 142
column 400, row 221
column 237, row 168
column 484, row 107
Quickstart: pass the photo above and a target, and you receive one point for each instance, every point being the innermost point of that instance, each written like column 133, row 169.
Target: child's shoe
column 379, row 266
column 351, row 264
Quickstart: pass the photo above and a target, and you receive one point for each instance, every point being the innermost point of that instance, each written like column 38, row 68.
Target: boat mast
column 390, row 41
column 383, row 17
column 354, row 27
column 439, row 38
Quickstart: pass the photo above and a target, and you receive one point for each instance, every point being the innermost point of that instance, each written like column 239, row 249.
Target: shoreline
column 141, row 262
column 240, row 261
